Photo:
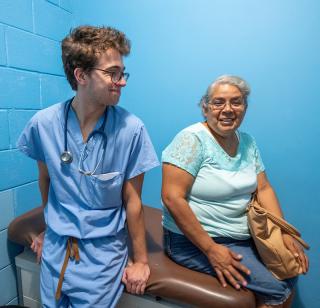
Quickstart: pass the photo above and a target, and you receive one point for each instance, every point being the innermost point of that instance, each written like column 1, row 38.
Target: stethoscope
column 66, row 156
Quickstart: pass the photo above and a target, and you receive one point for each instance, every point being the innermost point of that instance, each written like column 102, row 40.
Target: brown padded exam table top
column 168, row 280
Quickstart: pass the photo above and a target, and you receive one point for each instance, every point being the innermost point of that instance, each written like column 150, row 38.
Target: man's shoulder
column 48, row 114
column 124, row 117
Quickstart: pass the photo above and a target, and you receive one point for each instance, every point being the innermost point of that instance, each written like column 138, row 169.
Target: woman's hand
column 227, row 265
column 135, row 277
column 296, row 249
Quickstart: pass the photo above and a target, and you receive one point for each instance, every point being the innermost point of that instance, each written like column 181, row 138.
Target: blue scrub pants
column 94, row 281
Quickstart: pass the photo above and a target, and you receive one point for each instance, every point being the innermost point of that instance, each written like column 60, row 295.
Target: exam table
column 169, row 285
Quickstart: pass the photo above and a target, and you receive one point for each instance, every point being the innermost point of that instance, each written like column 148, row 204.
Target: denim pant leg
column 271, row 290
column 182, row 251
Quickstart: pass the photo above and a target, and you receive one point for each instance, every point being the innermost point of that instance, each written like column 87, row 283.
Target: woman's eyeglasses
column 220, row 103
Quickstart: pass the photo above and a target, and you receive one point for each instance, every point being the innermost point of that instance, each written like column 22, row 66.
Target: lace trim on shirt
column 185, row 152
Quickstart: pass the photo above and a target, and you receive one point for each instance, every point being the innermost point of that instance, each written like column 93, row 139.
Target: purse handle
column 284, row 225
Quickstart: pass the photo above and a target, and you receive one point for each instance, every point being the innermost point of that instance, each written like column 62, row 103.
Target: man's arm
column 136, row 273
column 44, row 182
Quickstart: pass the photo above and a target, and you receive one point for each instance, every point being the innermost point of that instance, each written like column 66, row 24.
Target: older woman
column 210, row 171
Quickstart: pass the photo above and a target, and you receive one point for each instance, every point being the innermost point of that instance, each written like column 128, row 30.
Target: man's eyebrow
column 115, row 67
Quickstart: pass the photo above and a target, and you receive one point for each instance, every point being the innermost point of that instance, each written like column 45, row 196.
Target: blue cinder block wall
column 179, row 47
column 31, row 78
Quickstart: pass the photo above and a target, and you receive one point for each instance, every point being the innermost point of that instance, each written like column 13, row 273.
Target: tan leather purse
column 266, row 231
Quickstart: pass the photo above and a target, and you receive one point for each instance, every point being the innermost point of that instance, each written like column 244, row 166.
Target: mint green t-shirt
column 223, row 184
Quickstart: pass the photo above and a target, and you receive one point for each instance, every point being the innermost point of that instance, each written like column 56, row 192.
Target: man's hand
column 135, row 277
column 36, row 245
column 227, row 265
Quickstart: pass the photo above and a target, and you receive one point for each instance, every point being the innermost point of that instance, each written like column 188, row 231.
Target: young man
column 92, row 156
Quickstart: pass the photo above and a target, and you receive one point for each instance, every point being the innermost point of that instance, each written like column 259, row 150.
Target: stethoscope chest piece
column 66, row 157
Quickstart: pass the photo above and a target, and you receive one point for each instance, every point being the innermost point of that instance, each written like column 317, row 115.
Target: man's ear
column 80, row 76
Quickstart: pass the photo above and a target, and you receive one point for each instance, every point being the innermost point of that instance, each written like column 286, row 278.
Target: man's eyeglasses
column 116, row 76
column 234, row 103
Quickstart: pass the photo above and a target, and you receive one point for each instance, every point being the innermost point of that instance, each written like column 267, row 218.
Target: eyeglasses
column 236, row 103
column 116, row 76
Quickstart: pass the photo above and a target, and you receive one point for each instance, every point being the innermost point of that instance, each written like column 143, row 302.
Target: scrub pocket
column 106, row 190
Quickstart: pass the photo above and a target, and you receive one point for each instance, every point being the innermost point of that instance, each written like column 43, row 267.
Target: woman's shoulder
column 194, row 131
column 246, row 137
column 187, row 134
column 247, row 140
column 185, row 150
column 190, row 135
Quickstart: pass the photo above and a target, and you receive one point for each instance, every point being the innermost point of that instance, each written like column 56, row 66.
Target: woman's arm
column 176, row 184
column 266, row 195
column 268, row 200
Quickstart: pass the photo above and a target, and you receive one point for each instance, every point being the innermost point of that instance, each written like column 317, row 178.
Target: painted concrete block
column 7, row 208
column 33, row 52
column 3, row 56
column 17, row 13
column 50, row 20
column 4, row 130
column 27, row 197
column 22, row 89
column 18, row 169
column 67, row 5
column 54, row 89
column 7, row 279
column 17, row 121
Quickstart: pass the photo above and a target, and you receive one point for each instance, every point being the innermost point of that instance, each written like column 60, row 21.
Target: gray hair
column 236, row 81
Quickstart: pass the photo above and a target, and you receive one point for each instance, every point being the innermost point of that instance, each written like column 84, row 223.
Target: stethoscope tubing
column 66, row 156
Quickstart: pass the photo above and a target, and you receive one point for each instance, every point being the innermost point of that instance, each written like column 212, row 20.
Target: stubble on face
column 103, row 89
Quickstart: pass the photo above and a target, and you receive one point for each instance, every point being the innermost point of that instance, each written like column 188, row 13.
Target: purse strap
column 284, row 225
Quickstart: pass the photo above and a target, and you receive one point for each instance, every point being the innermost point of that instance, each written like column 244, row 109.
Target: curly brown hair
column 82, row 47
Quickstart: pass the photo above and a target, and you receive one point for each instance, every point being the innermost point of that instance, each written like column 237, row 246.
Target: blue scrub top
column 79, row 205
